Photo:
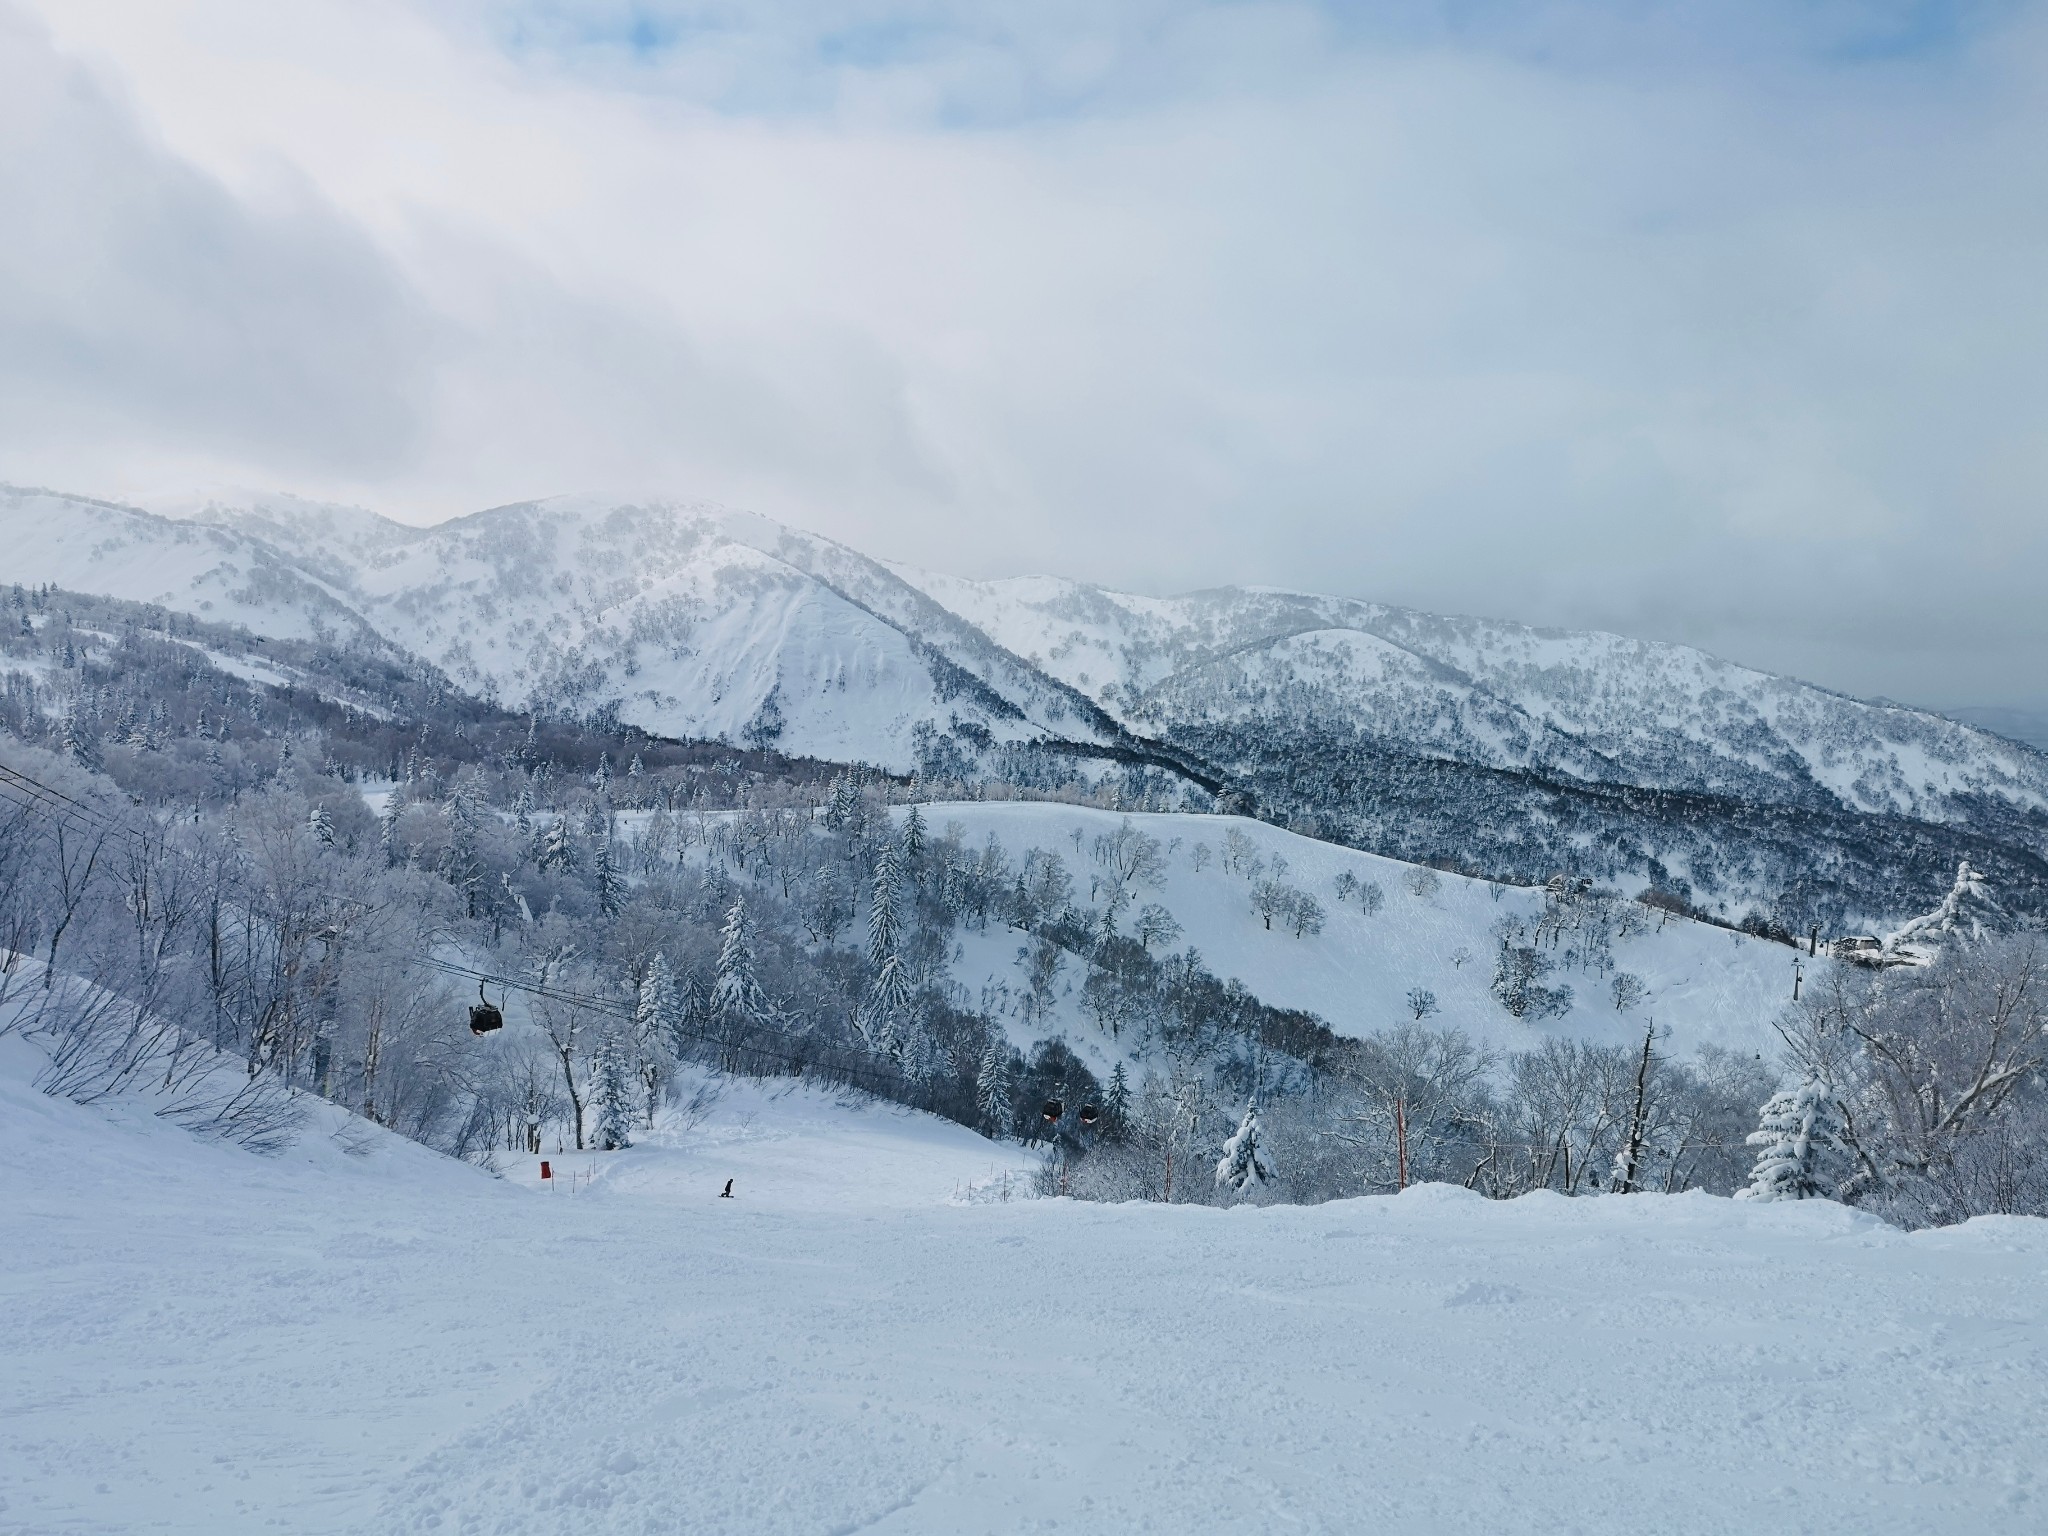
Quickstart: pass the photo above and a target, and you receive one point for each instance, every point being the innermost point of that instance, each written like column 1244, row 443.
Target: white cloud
column 1698, row 327
column 144, row 310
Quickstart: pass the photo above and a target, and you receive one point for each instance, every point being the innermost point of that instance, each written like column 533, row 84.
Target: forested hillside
column 1479, row 746
column 310, row 858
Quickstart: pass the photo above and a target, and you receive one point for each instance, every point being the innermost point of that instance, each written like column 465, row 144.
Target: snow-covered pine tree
column 557, row 846
column 1246, row 1160
column 522, row 810
column 842, row 811
column 464, row 814
column 882, row 913
column 387, row 828
column 612, row 1094
column 888, row 999
column 735, row 992
column 79, row 745
column 1801, row 1153
column 917, row 1053
column 654, row 1022
column 321, row 825
column 655, row 1007
column 1116, row 1104
column 611, row 892
column 913, row 836
column 1965, row 915
column 992, row 1086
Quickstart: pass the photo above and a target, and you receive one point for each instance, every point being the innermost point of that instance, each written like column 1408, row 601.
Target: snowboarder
column 726, row 1193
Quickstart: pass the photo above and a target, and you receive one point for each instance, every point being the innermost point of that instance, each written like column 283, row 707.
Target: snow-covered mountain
column 685, row 620
column 1589, row 706
column 1490, row 745
column 214, row 572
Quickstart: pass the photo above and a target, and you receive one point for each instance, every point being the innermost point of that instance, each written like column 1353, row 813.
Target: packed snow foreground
column 880, row 1332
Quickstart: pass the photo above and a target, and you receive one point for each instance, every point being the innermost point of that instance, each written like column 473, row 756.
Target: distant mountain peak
column 1422, row 735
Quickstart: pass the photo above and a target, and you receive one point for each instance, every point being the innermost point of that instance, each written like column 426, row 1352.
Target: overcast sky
column 1718, row 322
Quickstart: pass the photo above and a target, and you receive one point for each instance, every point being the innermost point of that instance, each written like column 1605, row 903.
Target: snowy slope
column 1593, row 706
column 203, row 1343
column 1704, row 984
column 692, row 621
column 114, row 551
column 700, row 622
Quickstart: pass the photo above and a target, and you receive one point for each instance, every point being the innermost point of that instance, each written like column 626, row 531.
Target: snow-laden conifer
column 882, row 910
column 612, row 1094
column 1246, row 1161
column 557, row 846
column 656, row 1012
column 917, row 1053
column 843, row 809
column 387, row 828
column 1116, row 1103
column 611, row 895
column 735, row 991
column 1801, row 1153
column 882, row 1022
column 1966, row 914
column 992, row 1086
column 463, row 867
column 655, row 1008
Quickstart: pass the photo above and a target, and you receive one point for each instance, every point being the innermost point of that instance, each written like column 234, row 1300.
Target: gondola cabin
column 1053, row 1110
column 1090, row 1114
column 484, row 1015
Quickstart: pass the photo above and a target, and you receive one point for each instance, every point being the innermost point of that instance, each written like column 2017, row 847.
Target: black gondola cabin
column 484, row 1015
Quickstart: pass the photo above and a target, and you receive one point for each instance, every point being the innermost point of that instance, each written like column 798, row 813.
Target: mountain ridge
column 1783, row 733
column 1478, row 742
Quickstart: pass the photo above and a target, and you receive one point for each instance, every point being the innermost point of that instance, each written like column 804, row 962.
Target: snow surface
column 199, row 1340
column 1705, row 985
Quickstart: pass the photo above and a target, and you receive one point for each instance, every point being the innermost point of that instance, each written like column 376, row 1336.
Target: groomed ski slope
column 867, row 1339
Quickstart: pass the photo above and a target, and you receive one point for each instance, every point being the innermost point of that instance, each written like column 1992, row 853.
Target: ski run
column 880, row 1333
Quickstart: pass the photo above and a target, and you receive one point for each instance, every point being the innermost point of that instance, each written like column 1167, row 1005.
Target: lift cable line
column 34, row 796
